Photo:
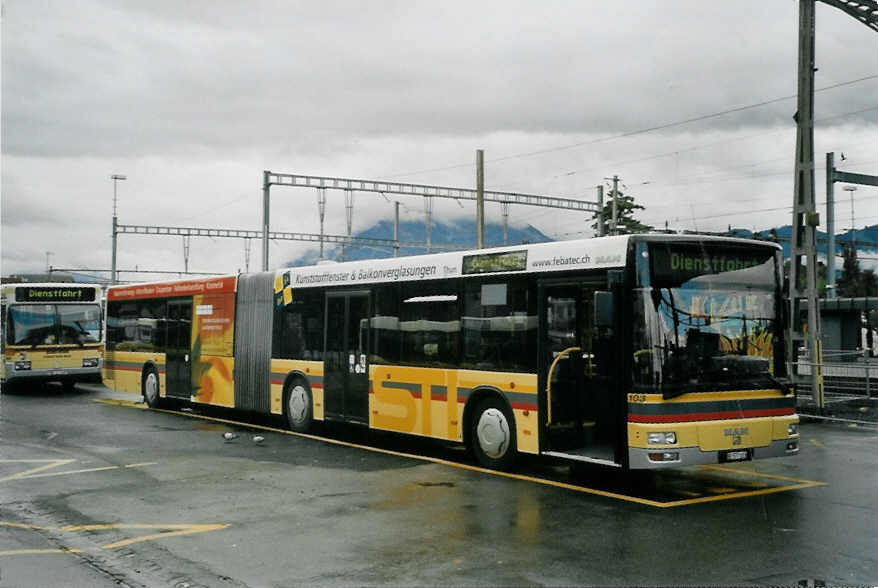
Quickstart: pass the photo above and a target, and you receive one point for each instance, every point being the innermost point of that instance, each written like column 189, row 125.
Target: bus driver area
column 660, row 489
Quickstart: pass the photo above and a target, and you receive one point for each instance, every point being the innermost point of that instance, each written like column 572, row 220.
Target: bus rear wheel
column 298, row 406
column 492, row 434
column 150, row 388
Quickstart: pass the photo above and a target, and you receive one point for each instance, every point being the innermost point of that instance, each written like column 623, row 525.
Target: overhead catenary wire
column 634, row 132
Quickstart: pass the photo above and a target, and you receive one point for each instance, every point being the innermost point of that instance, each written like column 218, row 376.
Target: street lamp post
column 115, row 178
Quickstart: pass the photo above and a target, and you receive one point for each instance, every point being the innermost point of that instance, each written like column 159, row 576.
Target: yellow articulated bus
column 638, row 352
column 51, row 332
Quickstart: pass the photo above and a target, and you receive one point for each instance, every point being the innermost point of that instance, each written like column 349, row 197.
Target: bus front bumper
column 90, row 374
column 674, row 457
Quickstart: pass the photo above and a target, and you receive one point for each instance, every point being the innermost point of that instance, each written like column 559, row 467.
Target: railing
column 844, row 372
column 850, row 383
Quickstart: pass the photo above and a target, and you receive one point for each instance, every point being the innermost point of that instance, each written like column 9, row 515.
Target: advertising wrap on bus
column 542, row 257
column 172, row 289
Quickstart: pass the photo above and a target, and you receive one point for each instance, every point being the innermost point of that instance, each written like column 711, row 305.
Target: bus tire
column 68, row 386
column 298, row 405
column 150, row 388
column 492, row 434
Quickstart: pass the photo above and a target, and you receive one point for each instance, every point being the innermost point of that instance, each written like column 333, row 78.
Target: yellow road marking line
column 87, row 470
column 18, row 525
column 52, row 463
column 38, row 551
column 170, row 530
column 186, row 530
column 760, row 474
column 35, row 472
column 543, row 481
column 747, row 494
column 120, row 402
column 817, row 443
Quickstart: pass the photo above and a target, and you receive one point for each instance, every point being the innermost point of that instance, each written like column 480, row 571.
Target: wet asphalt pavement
column 101, row 494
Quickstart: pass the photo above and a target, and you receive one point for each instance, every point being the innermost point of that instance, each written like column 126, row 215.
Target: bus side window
column 386, row 338
column 429, row 324
column 298, row 327
column 500, row 324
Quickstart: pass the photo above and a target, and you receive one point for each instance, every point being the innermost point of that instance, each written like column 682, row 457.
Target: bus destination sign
column 674, row 264
column 54, row 294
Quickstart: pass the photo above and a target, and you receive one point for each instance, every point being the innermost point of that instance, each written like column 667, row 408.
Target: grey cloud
column 201, row 78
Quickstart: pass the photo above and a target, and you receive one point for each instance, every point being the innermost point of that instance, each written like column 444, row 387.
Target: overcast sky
column 193, row 100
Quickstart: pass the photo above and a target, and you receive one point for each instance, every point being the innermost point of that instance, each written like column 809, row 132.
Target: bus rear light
column 793, row 429
column 90, row 362
column 669, row 438
column 22, row 365
column 664, row 456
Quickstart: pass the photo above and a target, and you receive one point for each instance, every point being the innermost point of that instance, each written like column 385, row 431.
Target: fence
column 850, row 385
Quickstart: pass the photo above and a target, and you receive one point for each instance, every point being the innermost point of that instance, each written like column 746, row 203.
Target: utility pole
column 602, row 230
column 266, row 193
column 614, row 223
column 247, row 244
column 834, row 175
column 349, row 216
column 186, row 240
column 321, row 210
column 803, row 267
column 504, row 208
column 116, row 178
column 428, row 211
column 480, row 199
column 396, row 229
column 830, row 226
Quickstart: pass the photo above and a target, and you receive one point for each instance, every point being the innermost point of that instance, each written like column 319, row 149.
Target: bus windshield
column 54, row 324
column 706, row 318
column 79, row 323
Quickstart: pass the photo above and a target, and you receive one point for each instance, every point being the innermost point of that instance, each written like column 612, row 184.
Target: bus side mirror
column 603, row 309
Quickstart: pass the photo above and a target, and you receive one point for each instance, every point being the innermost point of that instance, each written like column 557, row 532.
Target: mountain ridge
column 462, row 234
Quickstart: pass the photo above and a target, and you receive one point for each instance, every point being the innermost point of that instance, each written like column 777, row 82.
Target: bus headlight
column 90, row 362
column 22, row 365
column 669, row 438
column 793, row 429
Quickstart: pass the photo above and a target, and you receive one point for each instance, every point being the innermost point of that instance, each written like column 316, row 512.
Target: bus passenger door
column 561, row 365
column 575, row 360
column 178, row 355
column 345, row 367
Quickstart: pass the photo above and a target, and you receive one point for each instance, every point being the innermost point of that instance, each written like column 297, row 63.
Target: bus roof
column 555, row 256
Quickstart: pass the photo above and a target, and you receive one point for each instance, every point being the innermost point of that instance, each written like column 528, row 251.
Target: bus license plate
column 738, row 455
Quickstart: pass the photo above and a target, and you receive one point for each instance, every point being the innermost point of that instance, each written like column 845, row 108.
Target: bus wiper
column 785, row 388
column 676, row 391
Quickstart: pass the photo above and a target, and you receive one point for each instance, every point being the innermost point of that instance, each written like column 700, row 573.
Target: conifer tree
column 626, row 223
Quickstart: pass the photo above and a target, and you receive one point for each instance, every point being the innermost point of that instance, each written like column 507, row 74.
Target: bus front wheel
column 298, row 406
column 492, row 434
column 151, row 388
